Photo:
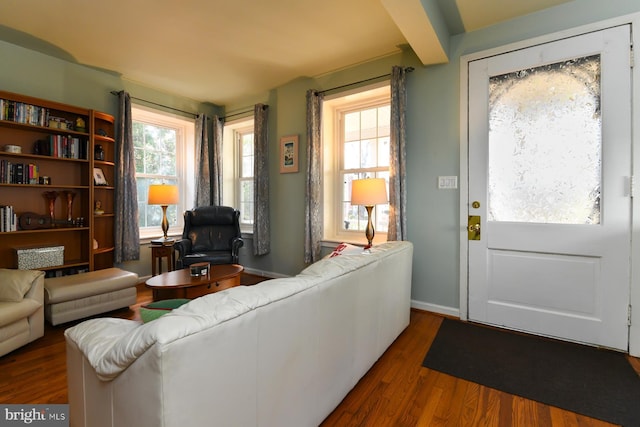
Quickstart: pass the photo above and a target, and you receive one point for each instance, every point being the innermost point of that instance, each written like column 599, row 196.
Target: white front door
column 549, row 178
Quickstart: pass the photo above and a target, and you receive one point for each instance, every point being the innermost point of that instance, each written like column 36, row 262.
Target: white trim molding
column 435, row 308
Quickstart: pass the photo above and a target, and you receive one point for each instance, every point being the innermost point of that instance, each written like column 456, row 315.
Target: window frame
column 232, row 155
column 333, row 109
column 185, row 163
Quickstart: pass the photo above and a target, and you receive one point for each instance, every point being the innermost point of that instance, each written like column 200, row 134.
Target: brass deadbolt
column 473, row 227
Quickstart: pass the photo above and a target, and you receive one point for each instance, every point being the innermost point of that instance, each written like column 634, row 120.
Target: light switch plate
column 447, row 182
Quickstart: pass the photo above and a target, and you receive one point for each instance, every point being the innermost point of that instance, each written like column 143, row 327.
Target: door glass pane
column 545, row 144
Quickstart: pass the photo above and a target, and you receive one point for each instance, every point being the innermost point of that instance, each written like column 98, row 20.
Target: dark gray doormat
column 593, row 382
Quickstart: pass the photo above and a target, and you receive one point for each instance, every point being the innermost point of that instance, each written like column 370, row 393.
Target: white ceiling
column 220, row 51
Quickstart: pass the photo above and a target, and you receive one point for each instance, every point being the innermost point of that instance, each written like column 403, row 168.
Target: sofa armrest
column 98, row 338
column 183, row 246
column 236, row 244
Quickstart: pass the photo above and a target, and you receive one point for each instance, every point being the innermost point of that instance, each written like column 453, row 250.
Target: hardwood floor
column 397, row 390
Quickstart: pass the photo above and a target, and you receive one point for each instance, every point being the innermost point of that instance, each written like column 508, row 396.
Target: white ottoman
column 77, row 296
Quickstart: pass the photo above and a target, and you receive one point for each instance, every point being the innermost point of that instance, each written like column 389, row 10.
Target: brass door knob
column 474, row 228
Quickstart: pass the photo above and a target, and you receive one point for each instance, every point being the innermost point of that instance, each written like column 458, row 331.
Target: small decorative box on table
column 33, row 258
column 199, row 269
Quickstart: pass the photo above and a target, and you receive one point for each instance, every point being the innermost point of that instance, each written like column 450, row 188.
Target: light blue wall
column 433, row 135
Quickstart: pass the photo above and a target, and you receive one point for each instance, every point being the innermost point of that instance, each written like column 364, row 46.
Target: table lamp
column 368, row 193
column 163, row 195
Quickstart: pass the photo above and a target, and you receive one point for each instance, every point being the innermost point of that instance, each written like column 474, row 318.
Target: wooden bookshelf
column 102, row 231
column 48, row 147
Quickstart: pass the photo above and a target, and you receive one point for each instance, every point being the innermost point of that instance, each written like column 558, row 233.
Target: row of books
column 8, row 219
column 19, row 173
column 68, row 147
column 21, row 112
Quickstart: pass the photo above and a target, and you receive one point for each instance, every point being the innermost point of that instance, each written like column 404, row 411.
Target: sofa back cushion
column 211, row 238
column 14, row 284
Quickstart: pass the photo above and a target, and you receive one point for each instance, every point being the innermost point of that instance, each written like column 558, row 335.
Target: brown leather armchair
column 211, row 234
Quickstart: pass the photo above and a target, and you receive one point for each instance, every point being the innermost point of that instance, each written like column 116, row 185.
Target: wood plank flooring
column 397, row 390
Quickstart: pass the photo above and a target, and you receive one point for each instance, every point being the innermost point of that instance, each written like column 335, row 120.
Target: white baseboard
column 435, row 308
column 269, row 274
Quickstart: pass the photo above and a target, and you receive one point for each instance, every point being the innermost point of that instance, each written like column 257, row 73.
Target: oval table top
column 183, row 279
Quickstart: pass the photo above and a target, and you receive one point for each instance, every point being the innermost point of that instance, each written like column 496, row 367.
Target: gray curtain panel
column 203, row 170
column 397, row 161
column 216, row 161
column 313, row 196
column 261, row 221
column 127, row 236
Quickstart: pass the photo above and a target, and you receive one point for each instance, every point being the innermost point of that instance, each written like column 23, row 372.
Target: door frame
column 634, row 296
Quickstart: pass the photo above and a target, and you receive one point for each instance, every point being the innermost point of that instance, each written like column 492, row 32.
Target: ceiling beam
column 423, row 26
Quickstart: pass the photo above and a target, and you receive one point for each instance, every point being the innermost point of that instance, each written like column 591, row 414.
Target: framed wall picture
column 98, row 177
column 289, row 154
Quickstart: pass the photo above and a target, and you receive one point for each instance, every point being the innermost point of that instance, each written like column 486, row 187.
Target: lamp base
column 164, row 241
column 369, row 231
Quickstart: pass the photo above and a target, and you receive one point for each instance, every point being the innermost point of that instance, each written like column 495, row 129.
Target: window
column 244, row 140
column 545, row 135
column 238, row 149
column 356, row 143
column 164, row 153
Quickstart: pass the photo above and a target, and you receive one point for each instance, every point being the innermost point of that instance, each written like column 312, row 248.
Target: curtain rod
column 113, row 92
column 407, row 69
column 264, row 107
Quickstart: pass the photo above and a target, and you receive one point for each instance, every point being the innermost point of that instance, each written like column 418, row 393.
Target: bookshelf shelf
column 45, row 230
column 43, row 129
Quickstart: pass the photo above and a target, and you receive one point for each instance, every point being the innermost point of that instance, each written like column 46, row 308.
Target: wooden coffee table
column 180, row 283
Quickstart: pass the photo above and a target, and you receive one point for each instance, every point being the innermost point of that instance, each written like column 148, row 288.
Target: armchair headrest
column 209, row 215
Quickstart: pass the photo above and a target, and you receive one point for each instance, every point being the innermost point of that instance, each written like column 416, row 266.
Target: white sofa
column 284, row 352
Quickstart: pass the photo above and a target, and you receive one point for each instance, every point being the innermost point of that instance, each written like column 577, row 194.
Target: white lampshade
column 369, row 192
column 163, row 194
